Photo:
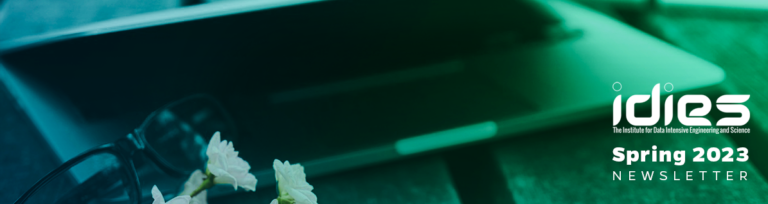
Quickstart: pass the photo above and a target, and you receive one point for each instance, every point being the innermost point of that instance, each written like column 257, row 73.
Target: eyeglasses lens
column 180, row 132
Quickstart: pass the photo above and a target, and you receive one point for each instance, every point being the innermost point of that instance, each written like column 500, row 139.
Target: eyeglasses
column 164, row 150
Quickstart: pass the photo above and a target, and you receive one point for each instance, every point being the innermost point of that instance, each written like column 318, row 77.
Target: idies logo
column 725, row 103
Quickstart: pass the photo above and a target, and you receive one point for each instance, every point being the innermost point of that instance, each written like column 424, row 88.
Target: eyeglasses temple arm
column 108, row 148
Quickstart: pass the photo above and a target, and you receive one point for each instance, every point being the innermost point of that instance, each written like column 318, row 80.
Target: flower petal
column 180, row 200
column 248, row 182
column 195, row 180
column 213, row 145
column 223, row 177
column 227, row 166
column 157, row 195
column 292, row 182
column 200, row 198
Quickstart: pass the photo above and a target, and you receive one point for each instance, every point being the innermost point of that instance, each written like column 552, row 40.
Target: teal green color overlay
column 446, row 138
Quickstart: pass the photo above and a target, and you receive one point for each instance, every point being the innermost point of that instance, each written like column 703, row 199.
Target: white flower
column 158, row 196
column 194, row 182
column 292, row 183
column 228, row 168
column 274, row 201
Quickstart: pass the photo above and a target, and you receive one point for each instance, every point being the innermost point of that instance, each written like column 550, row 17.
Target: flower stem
column 207, row 183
